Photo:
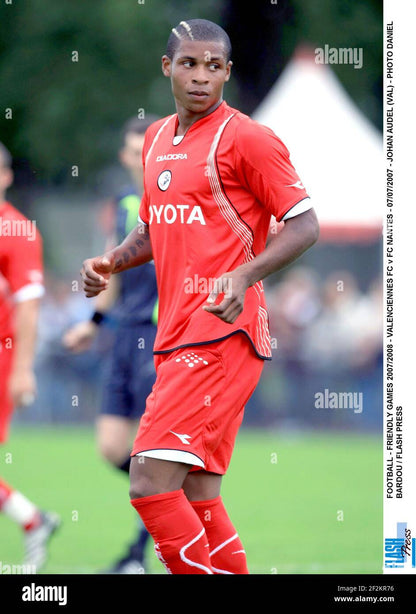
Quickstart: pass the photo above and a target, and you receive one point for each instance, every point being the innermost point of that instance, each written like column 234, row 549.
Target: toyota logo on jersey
column 184, row 214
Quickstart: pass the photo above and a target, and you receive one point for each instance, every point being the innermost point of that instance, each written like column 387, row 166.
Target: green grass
column 302, row 503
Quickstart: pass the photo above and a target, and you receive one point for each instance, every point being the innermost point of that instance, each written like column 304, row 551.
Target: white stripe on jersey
column 263, row 334
column 225, row 208
column 240, row 229
column 158, row 133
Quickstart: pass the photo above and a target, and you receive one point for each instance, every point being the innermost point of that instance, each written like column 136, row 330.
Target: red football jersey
column 208, row 201
column 21, row 268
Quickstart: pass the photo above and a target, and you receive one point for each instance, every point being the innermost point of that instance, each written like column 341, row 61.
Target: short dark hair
column 5, row 157
column 199, row 30
column 137, row 125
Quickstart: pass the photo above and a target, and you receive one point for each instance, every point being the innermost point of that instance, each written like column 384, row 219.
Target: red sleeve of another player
column 25, row 265
column 263, row 165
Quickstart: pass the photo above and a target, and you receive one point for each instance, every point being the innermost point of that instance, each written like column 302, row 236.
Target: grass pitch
column 302, row 503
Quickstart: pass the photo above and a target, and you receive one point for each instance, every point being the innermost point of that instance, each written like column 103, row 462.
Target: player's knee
column 141, row 486
column 152, row 477
column 141, row 482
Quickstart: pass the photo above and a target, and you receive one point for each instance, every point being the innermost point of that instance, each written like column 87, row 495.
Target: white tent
column 335, row 149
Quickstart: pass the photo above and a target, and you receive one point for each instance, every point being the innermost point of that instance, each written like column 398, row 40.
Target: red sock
column 226, row 550
column 180, row 540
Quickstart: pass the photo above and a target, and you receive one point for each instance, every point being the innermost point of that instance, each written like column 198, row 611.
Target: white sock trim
column 19, row 508
column 188, row 561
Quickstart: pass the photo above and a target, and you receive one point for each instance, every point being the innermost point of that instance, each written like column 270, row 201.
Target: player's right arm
column 81, row 335
column 135, row 250
column 22, row 384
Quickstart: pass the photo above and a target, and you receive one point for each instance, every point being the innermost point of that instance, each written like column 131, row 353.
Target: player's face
column 131, row 155
column 198, row 72
column 6, row 180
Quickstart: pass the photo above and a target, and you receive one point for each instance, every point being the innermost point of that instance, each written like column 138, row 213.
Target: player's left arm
column 298, row 234
column 25, row 277
column 263, row 166
column 22, row 383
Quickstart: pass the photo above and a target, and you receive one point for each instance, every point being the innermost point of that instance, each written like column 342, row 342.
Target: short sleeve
column 264, row 167
column 143, row 217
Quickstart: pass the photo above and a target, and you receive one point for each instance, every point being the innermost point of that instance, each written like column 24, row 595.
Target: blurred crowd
column 327, row 325
column 326, row 334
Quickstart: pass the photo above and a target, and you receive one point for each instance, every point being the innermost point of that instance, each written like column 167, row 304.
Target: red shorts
column 197, row 403
column 6, row 406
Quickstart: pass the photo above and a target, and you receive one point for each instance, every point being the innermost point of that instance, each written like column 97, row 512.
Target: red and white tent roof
column 335, row 149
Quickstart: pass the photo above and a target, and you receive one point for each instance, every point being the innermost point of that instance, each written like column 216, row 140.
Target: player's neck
column 186, row 118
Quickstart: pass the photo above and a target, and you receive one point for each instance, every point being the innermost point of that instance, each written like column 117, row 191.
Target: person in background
column 21, row 289
column 132, row 299
column 213, row 179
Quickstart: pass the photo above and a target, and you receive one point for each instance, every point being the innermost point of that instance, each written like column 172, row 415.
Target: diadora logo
column 192, row 360
column 183, row 214
column 183, row 437
column 175, row 156
column 298, row 185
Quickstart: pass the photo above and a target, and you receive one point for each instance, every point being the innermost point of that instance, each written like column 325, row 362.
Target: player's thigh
column 202, row 485
column 114, row 436
column 152, row 476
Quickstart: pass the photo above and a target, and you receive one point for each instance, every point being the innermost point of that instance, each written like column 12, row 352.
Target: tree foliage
column 71, row 72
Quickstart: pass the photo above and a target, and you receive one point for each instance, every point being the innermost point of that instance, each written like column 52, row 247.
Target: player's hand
column 226, row 301
column 22, row 387
column 95, row 273
column 79, row 338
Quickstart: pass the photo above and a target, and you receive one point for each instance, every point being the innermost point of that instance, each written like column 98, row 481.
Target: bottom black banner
column 27, row 592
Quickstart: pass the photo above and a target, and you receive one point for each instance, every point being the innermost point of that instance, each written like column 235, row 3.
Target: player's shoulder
column 250, row 135
column 19, row 231
column 10, row 212
column 154, row 127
